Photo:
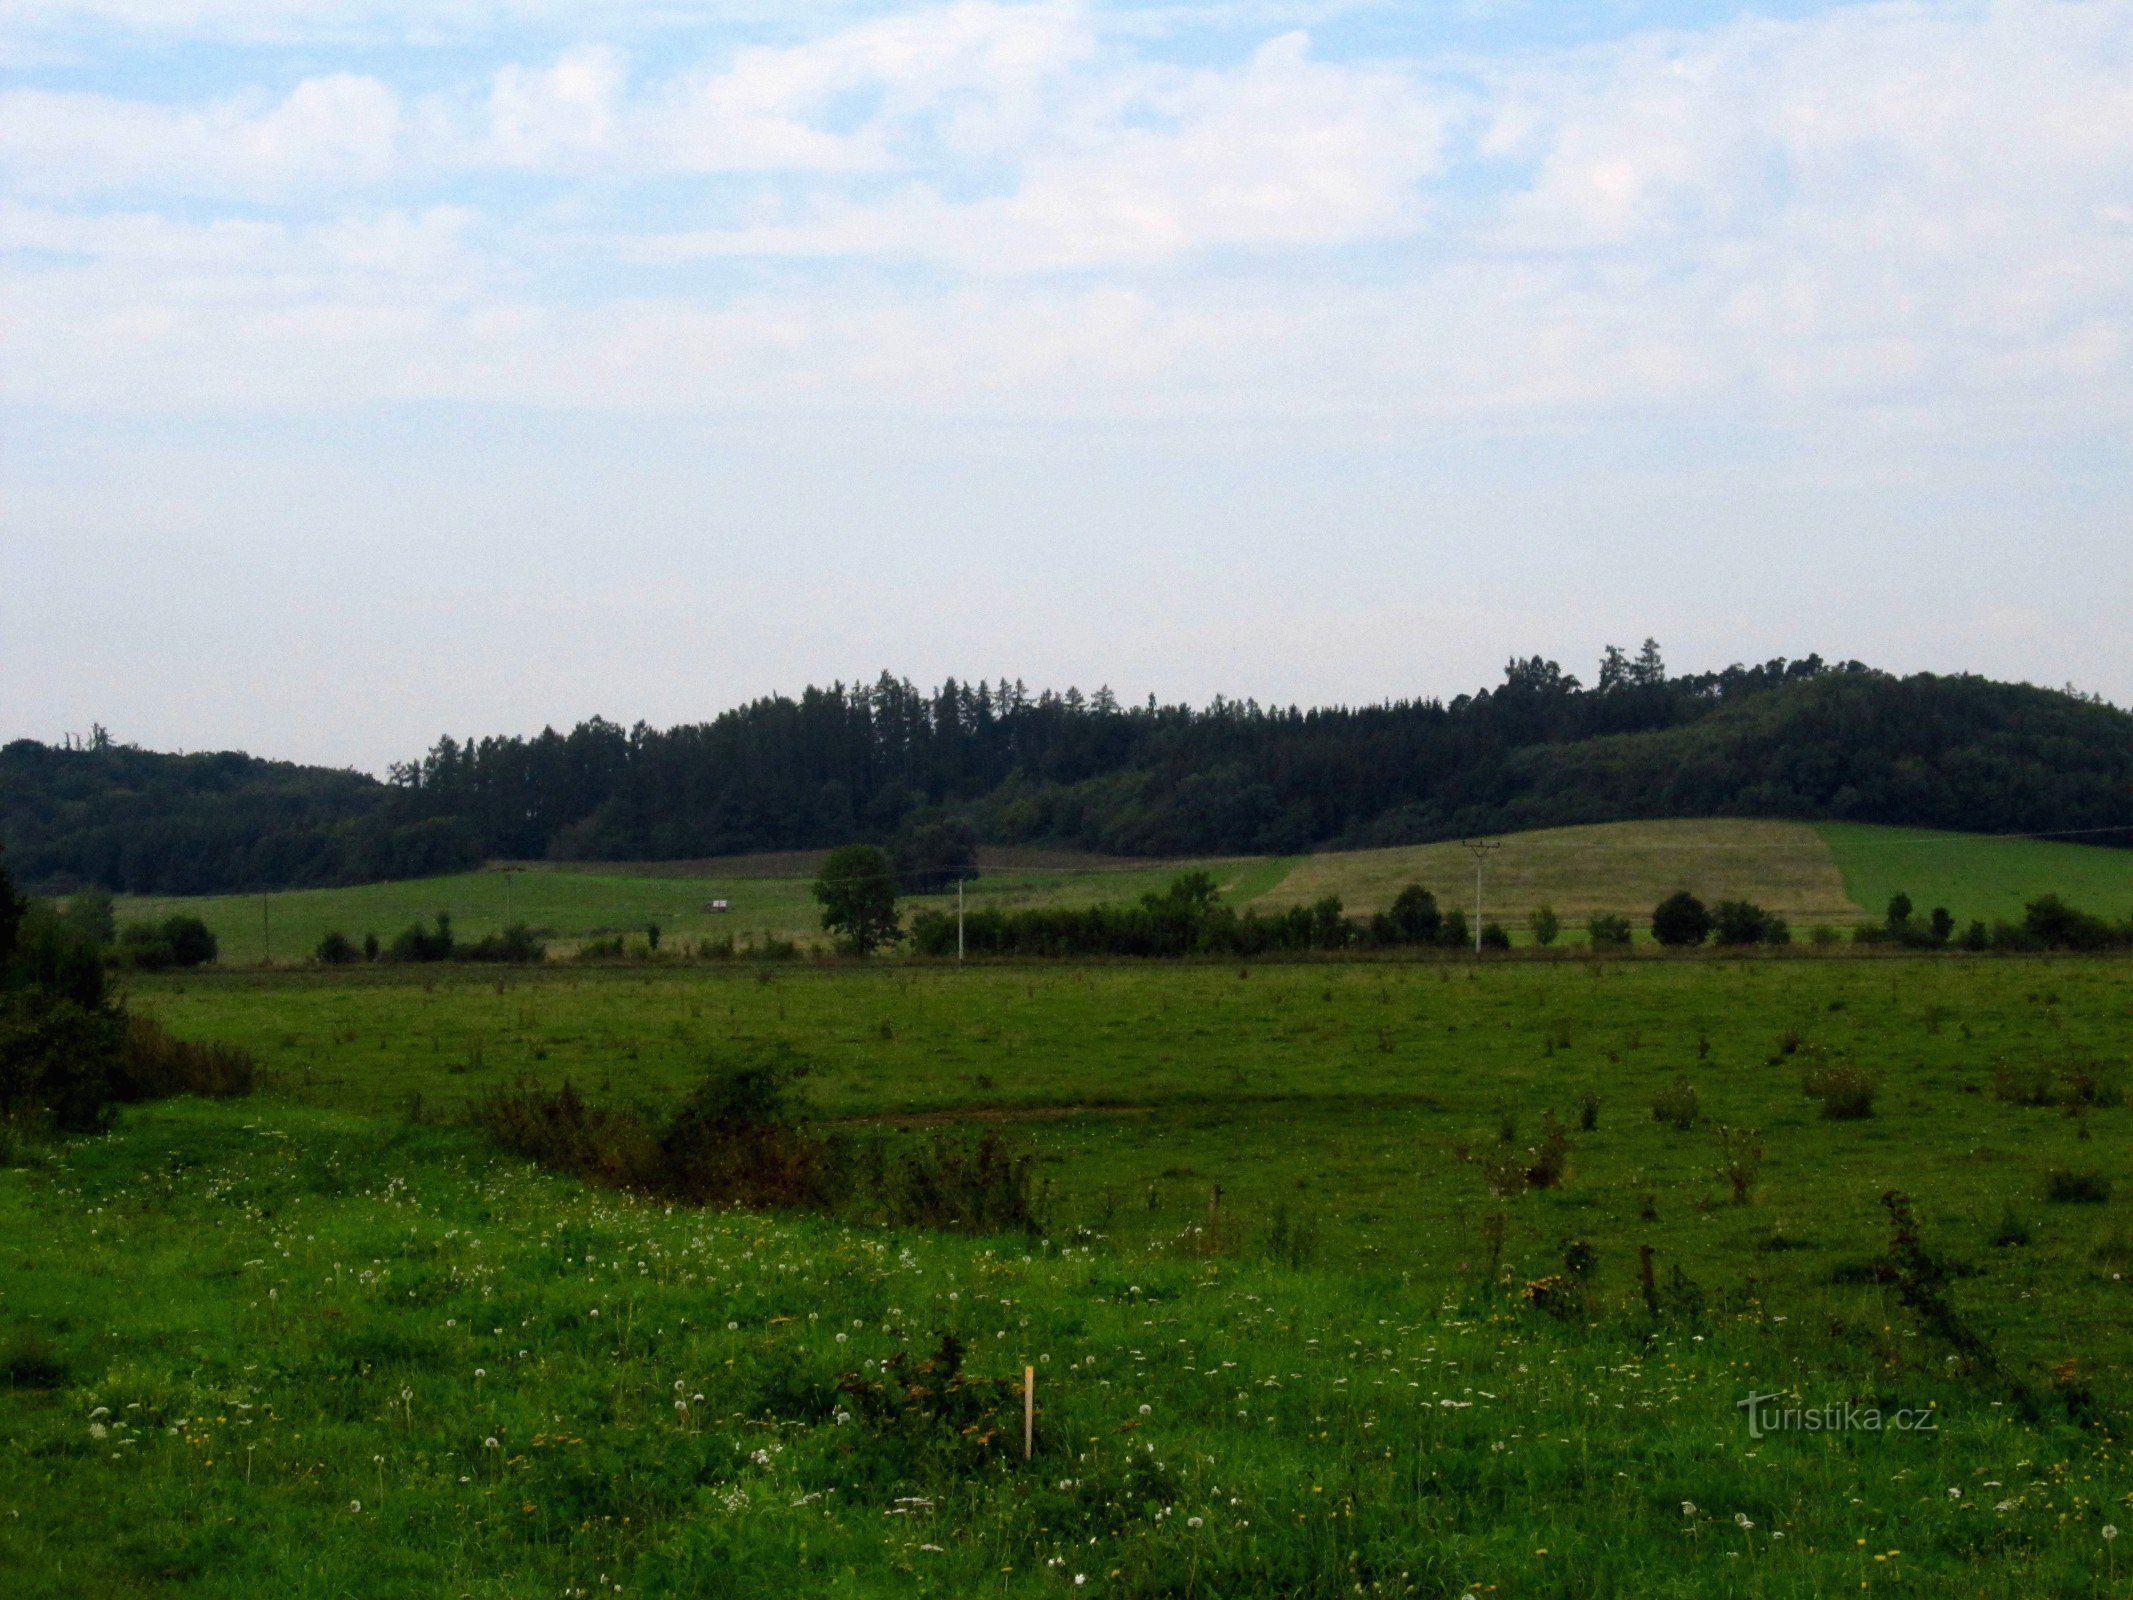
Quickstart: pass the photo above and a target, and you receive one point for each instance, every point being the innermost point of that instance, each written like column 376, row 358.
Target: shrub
column 1415, row 917
column 559, row 1130
column 153, row 1065
column 336, row 949
column 1546, row 925
column 58, row 1060
column 741, row 1138
column 1453, row 932
column 2063, row 1187
column 417, row 943
column 738, row 1138
column 1678, row 1105
column 1493, row 937
column 974, row 1182
column 176, row 941
column 2022, row 1083
column 1549, row 1159
column 1740, row 1162
column 934, row 1408
column 192, row 942
column 1681, row 920
column 1607, row 931
column 1743, row 922
column 1846, row 1093
column 515, row 943
column 2054, row 925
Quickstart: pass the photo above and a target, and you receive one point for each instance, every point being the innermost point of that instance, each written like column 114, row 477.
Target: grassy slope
column 576, row 904
column 1619, row 866
column 1814, row 874
column 1340, row 1095
column 290, row 1353
column 1974, row 875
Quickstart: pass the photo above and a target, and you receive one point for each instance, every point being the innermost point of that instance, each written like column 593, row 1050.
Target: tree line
column 920, row 771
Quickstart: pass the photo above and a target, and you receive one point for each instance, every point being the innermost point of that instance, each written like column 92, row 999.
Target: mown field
column 324, row 1342
column 1815, row 875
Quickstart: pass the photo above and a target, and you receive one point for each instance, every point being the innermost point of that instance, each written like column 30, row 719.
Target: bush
column 1608, row 931
column 1740, row 1162
column 1846, row 1093
column 153, row 1065
column 59, row 1061
column 417, row 943
column 741, row 1138
column 1415, row 917
column 1546, row 926
column 176, row 941
column 515, row 943
column 336, row 950
column 1493, row 937
column 2054, row 925
column 1681, row 920
column 1678, row 1105
column 1743, row 922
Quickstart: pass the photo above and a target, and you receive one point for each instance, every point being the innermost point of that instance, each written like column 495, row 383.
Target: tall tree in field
column 857, row 888
column 1681, row 919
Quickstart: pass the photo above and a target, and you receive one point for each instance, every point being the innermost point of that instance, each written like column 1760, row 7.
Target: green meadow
column 1420, row 1276
column 1301, row 1325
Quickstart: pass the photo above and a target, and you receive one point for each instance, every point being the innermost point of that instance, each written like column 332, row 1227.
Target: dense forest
column 1804, row 739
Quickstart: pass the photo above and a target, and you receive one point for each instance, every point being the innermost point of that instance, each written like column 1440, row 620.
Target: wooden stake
column 1029, row 1411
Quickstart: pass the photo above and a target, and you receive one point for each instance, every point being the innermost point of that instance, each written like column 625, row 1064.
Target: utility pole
column 959, row 919
column 1480, row 850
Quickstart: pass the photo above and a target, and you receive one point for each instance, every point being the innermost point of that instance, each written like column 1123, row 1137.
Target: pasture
column 1340, row 1290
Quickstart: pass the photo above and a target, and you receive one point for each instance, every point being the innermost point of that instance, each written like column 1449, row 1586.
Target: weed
column 1678, row 1105
column 1847, row 1094
column 1740, row 1162
column 2022, row 1083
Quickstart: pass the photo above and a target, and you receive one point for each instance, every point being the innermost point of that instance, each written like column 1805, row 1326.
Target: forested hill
column 1797, row 739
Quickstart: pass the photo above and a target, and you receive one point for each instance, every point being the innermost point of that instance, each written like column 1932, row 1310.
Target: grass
column 1976, row 875
column 290, row 1351
column 1618, row 866
column 571, row 904
column 1337, row 1093
column 1814, row 875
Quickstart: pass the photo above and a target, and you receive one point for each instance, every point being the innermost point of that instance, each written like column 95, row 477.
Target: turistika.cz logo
column 1768, row 1414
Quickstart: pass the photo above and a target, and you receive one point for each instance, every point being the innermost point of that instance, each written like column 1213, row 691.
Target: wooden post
column 1029, row 1411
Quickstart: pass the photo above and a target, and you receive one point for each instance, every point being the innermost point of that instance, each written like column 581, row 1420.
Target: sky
column 377, row 369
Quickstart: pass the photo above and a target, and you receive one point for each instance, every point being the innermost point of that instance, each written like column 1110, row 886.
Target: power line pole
column 1480, row 850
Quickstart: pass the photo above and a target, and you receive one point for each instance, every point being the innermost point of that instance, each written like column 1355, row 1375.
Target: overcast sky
column 372, row 369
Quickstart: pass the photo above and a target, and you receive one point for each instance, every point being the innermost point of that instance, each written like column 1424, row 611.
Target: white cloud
column 338, row 128
column 1910, row 211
